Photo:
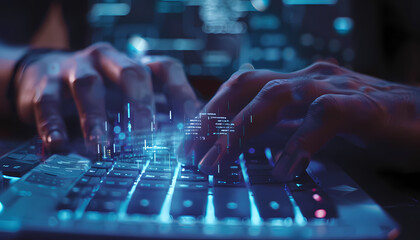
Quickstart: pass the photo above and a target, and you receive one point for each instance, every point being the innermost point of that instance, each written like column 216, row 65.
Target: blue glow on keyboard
column 269, row 156
column 117, row 129
column 128, row 110
column 124, row 205
column 164, row 215
column 210, row 217
column 1, row 207
column 11, row 179
column 255, row 215
column 299, row 218
column 309, row 2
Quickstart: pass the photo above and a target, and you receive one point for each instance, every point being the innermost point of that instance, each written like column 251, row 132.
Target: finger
column 243, row 86
column 133, row 78
column 327, row 116
column 258, row 116
column 170, row 75
column 233, row 96
column 49, row 122
column 88, row 92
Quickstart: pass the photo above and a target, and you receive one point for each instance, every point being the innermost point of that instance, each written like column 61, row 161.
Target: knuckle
column 132, row 67
column 325, row 106
column 276, row 88
column 325, row 68
column 240, row 79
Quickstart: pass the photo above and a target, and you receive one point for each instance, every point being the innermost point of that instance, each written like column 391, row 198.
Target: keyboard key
column 154, row 176
column 111, row 182
column 189, row 169
column 102, row 165
column 84, row 180
column 103, row 205
column 95, row 172
column 189, row 202
column 192, row 178
column 231, row 202
column 46, row 179
column 111, row 193
column 160, row 169
column 162, row 163
column 129, row 166
column 228, row 183
column 67, row 203
column 15, row 168
column 80, row 192
column 123, row 173
column 315, row 204
column 262, row 179
column 191, row 186
column 154, row 184
column 272, row 201
column 302, row 183
column 147, row 201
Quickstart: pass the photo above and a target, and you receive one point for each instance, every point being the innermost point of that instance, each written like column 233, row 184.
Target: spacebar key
column 230, row 202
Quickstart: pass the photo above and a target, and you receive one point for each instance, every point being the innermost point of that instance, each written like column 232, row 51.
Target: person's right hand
column 49, row 86
column 312, row 106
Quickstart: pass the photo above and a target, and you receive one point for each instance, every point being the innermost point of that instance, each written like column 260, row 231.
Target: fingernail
column 95, row 134
column 208, row 163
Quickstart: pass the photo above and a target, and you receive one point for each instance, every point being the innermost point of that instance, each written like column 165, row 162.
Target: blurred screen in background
column 213, row 38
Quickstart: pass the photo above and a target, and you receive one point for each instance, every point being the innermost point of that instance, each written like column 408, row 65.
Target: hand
column 49, row 86
column 314, row 105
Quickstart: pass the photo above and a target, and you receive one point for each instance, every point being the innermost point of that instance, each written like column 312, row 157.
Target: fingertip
column 281, row 171
column 93, row 138
column 288, row 167
column 208, row 163
column 56, row 140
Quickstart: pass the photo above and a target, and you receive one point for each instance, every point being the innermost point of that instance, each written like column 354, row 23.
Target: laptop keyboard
column 152, row 183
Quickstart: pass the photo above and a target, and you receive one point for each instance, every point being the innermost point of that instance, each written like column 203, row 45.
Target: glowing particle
column 316, row 197
column 144, row 202
column 251, row 150
column 121, row 136
column 117, row 129
column 180, row 126
column 320, row 213
column 343, row 25
column 187, row 203
column 274, row 205
column 232, row 205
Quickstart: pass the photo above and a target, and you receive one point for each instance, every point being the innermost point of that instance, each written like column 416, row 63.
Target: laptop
column 136, row 187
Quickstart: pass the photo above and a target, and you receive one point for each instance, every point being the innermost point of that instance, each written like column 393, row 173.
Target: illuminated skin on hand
column 49, row 86
column 311, row 106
